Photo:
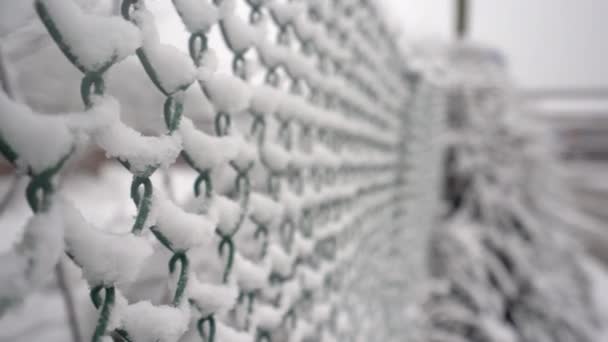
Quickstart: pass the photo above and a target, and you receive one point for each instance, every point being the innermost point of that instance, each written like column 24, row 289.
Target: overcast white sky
column 548, row 43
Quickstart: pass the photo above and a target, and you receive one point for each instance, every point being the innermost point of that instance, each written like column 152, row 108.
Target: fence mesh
column 309, row 139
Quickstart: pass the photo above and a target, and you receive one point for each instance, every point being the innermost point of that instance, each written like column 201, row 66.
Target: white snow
column 321, row 312
column 183, row 229
column 225, row 333
column 40, row 141
column 239, row 35
column 292, row 204
column 311, row 279
column 302, row 331
column 264, row 210
column 227, row 93
column 228, row 213
column 104, row 111
column 325, row 157
column 93, row 39
column 29, row 263
column 265, row 99
column 227, row 7
column 196, row 105
column 123, row 142
column 282, row 262
column 284, row 13
column 303, row 246
column 275, row 157
column 209, row 61
column 300, row 160
column 197, row 15
column 105, row 258
column 267, row 317
column 299, row 66
column 173, row 68
column 224, row 178
column 207, row 151
column 272, row 55
column 343, row 322
column 305, row 28
column 148, row 323
column 250, row 276
column 247, row 153
column 290, row 292
column 211, row 298
column 116, row 314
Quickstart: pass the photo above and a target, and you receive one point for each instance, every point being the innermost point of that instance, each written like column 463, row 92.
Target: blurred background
column 556, row 52
column 548, row 43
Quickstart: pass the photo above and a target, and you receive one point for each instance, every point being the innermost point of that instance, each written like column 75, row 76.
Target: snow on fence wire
column 291, row 233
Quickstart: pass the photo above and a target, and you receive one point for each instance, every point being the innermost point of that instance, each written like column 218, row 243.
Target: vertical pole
column 462, row 18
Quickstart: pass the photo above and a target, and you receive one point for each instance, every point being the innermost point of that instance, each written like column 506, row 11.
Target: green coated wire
column 182, row 281
column 143, row 203
column 104, row 315
column 200, row 325
column 226, row 240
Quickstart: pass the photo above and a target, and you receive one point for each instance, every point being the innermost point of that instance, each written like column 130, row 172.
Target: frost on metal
column 300, row 133
column 507, row 265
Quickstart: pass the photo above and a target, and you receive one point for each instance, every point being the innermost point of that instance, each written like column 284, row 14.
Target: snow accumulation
column 275, row 157
column 282, row 263
column 198, row 16
column 105, row 258
column 104, row 112
column 240, row 36
column 250, row 276
column 285, row 13
column 228, row 93
column 247, row 153
column 211, row 298
column 302, row 331
column 149, row 323
column 303, row 246
column 267, row 316
column 329, row 212
column 228, row 213
column 228, row 334
column 321, row 312
column 183, row 229
column 207, row 151
column 40, row 141
column 173, row 69
column 311, row 279
column 264, row 210
column 122, row 142
column 209, row 61
column 26, row 266
column 272, row 55
column 94, row 40
column 265, row 99
column 304, row 28
column 292, row 204
column 27, row 132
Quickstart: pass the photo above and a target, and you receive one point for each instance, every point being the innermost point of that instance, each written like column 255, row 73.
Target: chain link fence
column 315, row 165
